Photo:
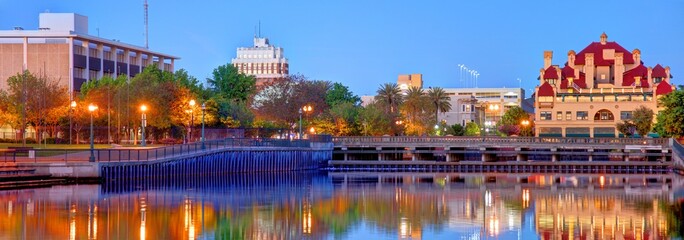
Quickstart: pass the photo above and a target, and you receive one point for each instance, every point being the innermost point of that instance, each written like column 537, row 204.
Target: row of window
column 599, row 98
column 602, row 115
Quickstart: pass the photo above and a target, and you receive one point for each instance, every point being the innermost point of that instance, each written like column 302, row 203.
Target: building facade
column 63, row 50
column 405, row 81
column 265, row 62
column 595, row 89
column 484, row 106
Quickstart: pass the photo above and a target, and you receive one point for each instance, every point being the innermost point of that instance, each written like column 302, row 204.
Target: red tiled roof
column 568, row 71
column 581, row 82
column 597, row 49
column 663, row 88
column 639, row 71
column 658, row 72
column 550, row 73
column 546, row 90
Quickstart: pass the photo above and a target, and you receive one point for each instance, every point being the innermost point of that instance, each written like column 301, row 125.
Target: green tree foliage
column 374, row 121
column 228, row 83
column 389, row 97
column 670, row 122
column 626, row 127
column 511, row 122
column 35, row 101
column 472, row 129
column 439, row 100
column 643, row 120
column 339, row 93
column 456, row 130
column 416, row 109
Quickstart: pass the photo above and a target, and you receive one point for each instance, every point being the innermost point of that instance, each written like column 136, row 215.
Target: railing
column 145, row 154
column 678, row 149
column 339, row 141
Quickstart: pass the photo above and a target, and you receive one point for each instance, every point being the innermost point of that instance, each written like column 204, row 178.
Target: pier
column 506, row 154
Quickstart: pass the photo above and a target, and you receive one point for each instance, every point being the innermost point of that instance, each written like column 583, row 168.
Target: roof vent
column 18, row 28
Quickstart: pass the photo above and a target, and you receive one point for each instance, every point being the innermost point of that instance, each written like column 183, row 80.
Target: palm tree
column 440, row 100
column 414, row 103
column 389, row 95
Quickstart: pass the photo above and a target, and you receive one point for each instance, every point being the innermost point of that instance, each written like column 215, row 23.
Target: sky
column 363, row 44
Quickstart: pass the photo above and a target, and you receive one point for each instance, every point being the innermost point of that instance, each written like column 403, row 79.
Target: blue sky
column 363, row 44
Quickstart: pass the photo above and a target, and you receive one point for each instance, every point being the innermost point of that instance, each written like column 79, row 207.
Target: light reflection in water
column 296, row 206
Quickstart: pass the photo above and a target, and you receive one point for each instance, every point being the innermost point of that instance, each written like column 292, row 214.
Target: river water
column 323, row 205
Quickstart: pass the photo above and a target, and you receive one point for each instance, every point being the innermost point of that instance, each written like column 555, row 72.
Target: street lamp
column 306, row 108
column 192, row 119
column 71, row 113
column 204, row 107
column 143, row 109
column 525, row 123
column 91, row 109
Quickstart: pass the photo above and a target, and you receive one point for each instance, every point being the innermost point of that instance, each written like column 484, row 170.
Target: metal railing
column 144, row 154
column 520, row 140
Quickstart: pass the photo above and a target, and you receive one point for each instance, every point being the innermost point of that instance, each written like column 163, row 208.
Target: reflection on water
column 352, row 206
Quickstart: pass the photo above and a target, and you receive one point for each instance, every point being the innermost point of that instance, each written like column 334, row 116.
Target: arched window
column 604, row 115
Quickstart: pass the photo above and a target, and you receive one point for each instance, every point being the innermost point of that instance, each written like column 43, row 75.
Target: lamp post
column 143, row 109
column 492, row 108
column 91, row 109
column 71, row 116
column 204, row 107
column 192, row 119
column 524, row 123
column 399, row 123
column 300, row 123
column 305, row 108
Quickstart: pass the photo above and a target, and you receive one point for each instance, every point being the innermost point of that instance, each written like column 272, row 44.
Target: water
column 352, row 206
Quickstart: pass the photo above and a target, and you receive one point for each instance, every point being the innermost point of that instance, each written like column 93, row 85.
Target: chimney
column 541, row 76
column 571, row 58
column 604, row 38
column 619, row 68
column 649, row 78
column 636, row 55
column 548, row 56
column 667, row 74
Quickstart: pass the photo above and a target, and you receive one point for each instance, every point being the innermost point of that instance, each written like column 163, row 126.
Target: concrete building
column 485, row 106
column 595, row 89
column 63, row 50
column 263, row 61
column 405, row 81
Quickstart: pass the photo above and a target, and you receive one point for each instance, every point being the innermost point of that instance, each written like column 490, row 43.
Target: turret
column 548, row 56
column 636, row 55
column 604, row 38
column 571, row 58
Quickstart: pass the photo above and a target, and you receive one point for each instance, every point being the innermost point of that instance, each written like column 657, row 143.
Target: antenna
column 259, row 28
column 146, row 27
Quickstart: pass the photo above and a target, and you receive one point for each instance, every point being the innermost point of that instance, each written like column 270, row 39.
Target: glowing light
column 143, row 108
column 404, row 228
column 602, row 181
column 92, row 107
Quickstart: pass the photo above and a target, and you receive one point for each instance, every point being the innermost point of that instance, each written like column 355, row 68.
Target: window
column 568, row 115
column 625, row 115
column 582, row 115
column 604, row 115
column 463, row 108
column 545, row 99
column 657, row 80
column 559, row 116
column 545, row 116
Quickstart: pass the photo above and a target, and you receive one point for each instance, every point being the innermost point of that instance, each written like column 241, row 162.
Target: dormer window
column 657, row 80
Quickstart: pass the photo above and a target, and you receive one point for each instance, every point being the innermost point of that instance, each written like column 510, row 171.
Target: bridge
column 506, row 154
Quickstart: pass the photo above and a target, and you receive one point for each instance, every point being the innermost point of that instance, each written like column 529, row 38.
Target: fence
column 144, row 154
column 547, row 140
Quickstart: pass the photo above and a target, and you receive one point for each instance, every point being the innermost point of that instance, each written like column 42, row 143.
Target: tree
column 415, row 107
column 439, row 100
column 472, row 129
column 626, row 128
column 670, row 122
column 389, row 96
column 339, row 93
column 643, row 120
column 228, row 83
column 374, row 121
column 511, row 122
column 456, row 130
column 280, row 101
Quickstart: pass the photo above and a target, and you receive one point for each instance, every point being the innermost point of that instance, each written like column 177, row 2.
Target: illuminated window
column 545, row 116
column 559, row 116
column 568, row 115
